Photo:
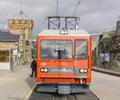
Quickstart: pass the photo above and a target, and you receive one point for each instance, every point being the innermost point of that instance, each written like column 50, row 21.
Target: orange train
column 64, row 60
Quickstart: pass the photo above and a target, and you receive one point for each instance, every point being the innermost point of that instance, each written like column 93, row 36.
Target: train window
column 81, row 49
column 56, row 49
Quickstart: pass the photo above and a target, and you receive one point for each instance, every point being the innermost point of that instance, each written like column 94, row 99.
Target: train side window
column 81, row 49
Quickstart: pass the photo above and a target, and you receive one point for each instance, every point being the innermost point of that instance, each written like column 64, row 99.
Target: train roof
column 70, row 33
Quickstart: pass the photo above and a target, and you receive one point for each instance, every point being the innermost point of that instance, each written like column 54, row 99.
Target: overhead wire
column 77, row 7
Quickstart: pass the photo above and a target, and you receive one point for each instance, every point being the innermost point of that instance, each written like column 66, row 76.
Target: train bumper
column 64, row 88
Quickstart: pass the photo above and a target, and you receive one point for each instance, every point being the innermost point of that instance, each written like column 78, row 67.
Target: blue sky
column 95, row 15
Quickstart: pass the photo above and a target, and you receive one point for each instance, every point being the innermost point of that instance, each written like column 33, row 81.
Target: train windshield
column 56, row 49
column 81, row 49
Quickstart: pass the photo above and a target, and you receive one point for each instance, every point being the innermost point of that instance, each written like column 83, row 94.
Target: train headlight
column 44, row 70
column 63, row 32
column 83, row 70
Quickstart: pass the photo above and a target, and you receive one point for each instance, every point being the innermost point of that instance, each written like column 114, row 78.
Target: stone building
column 8, row 50
column 8, row 40
column 22, row 27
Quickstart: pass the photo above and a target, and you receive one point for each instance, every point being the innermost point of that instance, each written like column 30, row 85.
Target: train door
column 81, row 57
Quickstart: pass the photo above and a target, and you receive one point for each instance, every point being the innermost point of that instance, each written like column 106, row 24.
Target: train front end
column 63, row 61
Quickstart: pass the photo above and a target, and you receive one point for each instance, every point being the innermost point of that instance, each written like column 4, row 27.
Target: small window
column 4, row 55
column 81, row 49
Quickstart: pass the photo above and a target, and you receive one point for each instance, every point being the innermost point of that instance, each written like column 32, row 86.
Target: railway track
column 53, row 96
column 64, row 97
column 48, row 96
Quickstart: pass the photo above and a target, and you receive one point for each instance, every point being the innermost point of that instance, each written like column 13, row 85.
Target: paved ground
column 106, row 87
column 15, row 85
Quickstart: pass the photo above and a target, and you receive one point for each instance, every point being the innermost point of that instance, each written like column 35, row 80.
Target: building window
column 4, row 55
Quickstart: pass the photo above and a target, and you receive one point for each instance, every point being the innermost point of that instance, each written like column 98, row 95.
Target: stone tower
column 118, row 28
column 23, row 27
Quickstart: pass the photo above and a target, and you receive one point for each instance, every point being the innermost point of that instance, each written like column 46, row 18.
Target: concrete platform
column 15, row 85
column 98, row 69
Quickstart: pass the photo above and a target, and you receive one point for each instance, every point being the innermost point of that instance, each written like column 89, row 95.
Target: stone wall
column 12, row 45
column 110, row 42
